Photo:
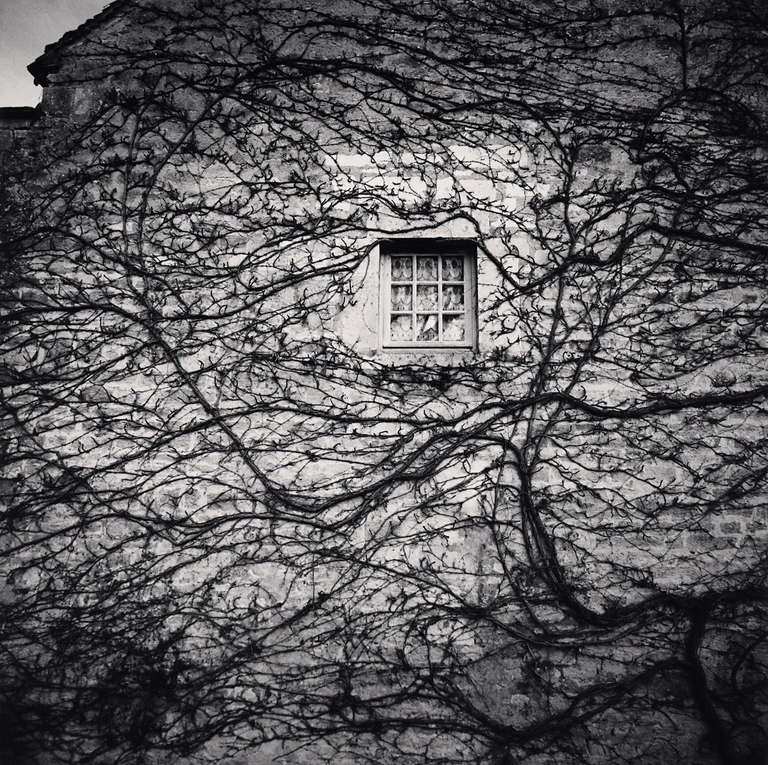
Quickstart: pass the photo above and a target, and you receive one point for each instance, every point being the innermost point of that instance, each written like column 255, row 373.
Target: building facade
column 386, row 383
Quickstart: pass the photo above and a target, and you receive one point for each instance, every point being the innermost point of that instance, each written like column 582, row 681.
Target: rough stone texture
column 632, row 509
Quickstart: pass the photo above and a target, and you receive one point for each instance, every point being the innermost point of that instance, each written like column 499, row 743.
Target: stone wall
column 240, row 510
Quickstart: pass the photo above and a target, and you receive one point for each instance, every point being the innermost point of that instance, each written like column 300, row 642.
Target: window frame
column 435, row 247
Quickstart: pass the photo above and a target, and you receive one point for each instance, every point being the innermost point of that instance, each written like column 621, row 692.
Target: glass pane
column 426, row 269
column 402, row 269
column 453, row 298
column 426, row 328
column 453, row 328
column 426, row 298
column 453, row 269
column 400, row 328
column 401, row 298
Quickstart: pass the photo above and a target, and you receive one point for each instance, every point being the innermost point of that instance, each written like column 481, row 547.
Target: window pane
column 426, row 269
column 427, row 294
column 453, row 269
column 453, row 298
column 400, row 328
column 453, row 328
column 426, row 328
column 426, row 298
column 402, row 269
column 401, row 298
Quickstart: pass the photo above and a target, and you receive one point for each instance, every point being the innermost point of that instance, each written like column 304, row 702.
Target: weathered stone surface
column 509, row 545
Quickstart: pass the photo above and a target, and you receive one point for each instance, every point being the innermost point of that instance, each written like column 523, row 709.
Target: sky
column 26, row 27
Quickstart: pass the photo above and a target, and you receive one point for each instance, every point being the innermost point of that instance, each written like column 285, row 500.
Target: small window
column 428, row 294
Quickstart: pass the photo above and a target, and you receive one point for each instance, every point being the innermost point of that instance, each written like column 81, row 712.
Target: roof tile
column 50, row 59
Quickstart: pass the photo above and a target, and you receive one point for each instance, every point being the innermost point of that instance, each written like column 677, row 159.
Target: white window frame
column 436, row 248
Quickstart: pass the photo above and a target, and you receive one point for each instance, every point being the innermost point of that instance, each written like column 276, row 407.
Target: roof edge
column 50, row 60
column 18, row 116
